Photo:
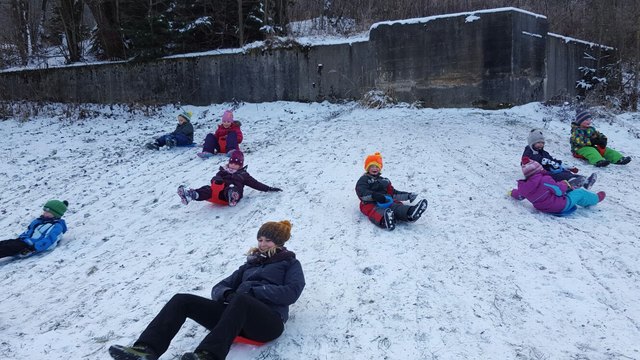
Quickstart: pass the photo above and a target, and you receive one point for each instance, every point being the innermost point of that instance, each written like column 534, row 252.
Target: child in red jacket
column 380, row 201
column 226, row 138
column 227, row 186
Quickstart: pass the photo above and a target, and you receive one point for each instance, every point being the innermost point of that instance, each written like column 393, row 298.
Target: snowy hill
column 480, row 276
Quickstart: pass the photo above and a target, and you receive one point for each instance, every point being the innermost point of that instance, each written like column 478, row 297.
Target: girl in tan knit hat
column 252, row 303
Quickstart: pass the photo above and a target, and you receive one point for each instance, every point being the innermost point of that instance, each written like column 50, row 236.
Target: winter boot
column 204, row 155
column 233, row 195
column 416, row 210
column 152, row 146
column 625, row 160
column 136, row 352
column 577, row 182
column 389, row 220
column 601, row 195
column 590, row 181
column 186, row 195
column 602, row 163
column 198, row 355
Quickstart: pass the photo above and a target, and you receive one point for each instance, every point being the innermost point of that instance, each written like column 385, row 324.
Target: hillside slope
column 480, row 276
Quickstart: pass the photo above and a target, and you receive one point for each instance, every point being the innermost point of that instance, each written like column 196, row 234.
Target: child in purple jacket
column 549, row 195
column 227, row 185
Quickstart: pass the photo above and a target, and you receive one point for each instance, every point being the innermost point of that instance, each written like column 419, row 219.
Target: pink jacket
column 546, row 194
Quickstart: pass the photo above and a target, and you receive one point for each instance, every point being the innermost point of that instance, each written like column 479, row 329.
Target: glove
column 275, row 189
column 509, row 193
column 228, row 296
column 412, row 197
column 245, row 287
column 602, row 141
column 573, row 170
column 379, row 198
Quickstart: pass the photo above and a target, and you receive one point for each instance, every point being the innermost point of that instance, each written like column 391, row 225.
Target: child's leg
column 400, row 211
column 582, row 197
column 612, row 155
column 590, row 153
column 374, row 213
column 211, row 144
column 162, row 140
column 232, row 141
column 204, row 193
column 12, row 247
column 181, row 139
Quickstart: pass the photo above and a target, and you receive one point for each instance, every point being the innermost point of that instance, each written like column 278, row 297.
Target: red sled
column 601, row 150
column 243, row 340
column 215, row 194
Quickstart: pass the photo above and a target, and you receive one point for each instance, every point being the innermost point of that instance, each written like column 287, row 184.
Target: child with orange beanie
column 380, row 202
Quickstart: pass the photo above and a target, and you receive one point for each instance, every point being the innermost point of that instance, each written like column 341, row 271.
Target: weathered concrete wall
column 486, row 58
column 258, row 75
column 564, row 57
column 462, row 60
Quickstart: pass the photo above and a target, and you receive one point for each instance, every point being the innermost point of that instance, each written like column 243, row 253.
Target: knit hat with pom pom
column 278, row 232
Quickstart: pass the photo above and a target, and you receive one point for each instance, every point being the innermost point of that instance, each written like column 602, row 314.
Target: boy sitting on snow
column 380, row 202
column 43, row 232
column 181, row 136
column 590, row 144
column 535, row 151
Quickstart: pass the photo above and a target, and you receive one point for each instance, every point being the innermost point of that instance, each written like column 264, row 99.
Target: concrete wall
column 486, row 59
column 564, row 57
column 461, row 61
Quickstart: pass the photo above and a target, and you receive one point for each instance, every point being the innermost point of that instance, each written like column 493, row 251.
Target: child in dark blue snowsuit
column 535, row 151
column 181, row 136
column 42, row 234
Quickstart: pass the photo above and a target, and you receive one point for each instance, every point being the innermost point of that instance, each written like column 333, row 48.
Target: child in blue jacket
column 42, row 234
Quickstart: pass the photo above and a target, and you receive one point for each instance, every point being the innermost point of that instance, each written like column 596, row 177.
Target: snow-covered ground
column 480, row 276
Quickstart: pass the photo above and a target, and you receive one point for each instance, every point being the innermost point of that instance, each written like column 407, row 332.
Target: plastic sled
column 566, row 212
column 215, row 193
column 243, row 340
column 386, row 204
column 601, row 150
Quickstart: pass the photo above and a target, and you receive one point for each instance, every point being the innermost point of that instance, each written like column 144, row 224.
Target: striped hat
column 582, row 116
column 530, row 167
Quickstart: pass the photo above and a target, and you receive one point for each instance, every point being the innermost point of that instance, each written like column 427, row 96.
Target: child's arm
column 51, row 236
column 514, row 193
column 255, row 184
column 239, row 134
column 220, row 132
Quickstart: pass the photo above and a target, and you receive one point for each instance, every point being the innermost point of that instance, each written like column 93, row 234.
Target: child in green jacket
column 590, row 144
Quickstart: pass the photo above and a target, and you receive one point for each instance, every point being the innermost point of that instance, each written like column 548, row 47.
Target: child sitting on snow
column 181, row 136
column 43, row 232
column 227, row 185
column 225, row 139
column 549, row 195
column 590, row 144
column 380, row 202
column 535, row 151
